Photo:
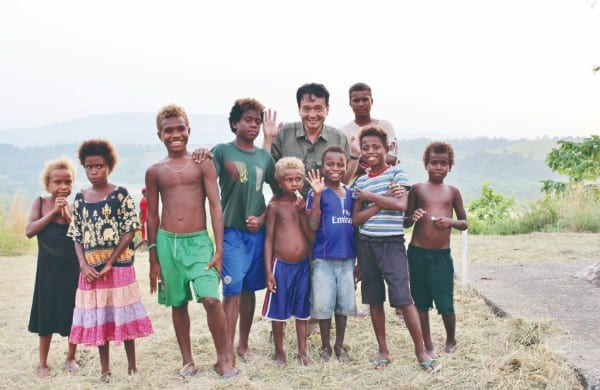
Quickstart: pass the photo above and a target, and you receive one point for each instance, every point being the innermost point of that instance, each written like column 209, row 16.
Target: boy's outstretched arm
column 269, row 233
column 152, row 223
column 209, row 179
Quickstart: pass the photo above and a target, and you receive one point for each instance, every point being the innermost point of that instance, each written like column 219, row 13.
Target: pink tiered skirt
column 109, row 309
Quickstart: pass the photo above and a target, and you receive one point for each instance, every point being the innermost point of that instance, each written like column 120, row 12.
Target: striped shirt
column 385, row 222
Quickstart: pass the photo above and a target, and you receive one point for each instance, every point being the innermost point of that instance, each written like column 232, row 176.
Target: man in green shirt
column 308, row 138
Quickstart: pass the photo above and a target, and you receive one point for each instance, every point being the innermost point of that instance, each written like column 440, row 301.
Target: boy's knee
column 210, row 303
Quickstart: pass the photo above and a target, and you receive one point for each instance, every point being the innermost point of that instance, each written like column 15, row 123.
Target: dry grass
column 493, row 352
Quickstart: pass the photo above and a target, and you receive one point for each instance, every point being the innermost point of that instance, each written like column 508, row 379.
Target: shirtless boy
column 181, row 252
column 286, row 259
column 430, row 209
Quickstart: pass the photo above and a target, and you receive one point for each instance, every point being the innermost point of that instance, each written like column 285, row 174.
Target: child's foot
column 382, row 361
column 71, row 367
column 43, row 372
column 132, row 371
column 105, row 377
column 428, row 363
column 431, row 353
column 449, row 347
column 304, row 360
column 247, row 355
column 187, row 370
column 279, row 359
column 342, row 354
column 326, row 354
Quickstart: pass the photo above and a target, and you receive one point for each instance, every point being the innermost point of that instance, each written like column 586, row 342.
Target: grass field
column 490, row 353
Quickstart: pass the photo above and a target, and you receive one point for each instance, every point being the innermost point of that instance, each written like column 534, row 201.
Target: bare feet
column 326, row 354
column 43, row 372
column 132, row 371
column 449, row 347
column 279, row 360
column 71, row 366
column 431, row 353
column 304, row 360
column 247, row 356
column 342, row 354
column 105, row 377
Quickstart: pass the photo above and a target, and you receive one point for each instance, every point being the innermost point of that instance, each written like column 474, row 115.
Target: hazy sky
column 505, row 68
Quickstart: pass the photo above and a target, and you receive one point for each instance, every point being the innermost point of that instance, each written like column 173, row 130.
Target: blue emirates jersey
column 335, row 235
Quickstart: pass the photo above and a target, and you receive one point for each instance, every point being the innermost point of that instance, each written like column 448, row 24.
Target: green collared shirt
column 291, row 141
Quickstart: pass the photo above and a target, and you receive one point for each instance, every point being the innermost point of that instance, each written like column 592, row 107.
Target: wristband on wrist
column 151, row 246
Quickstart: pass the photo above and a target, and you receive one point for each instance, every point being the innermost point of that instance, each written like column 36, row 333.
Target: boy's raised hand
column 299, row 203
column 355, row 146
column 270, row 126
column 316, row 181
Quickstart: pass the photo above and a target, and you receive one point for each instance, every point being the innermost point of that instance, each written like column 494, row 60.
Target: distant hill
column 123, row 128
column 513, row 167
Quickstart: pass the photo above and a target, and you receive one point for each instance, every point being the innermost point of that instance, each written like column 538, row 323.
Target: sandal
column 187, row 370
column 105, row 377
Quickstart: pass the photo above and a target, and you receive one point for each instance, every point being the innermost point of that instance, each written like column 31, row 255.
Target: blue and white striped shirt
column 385, row 222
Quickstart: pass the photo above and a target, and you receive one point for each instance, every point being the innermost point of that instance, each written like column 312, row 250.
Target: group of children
column 303, row 252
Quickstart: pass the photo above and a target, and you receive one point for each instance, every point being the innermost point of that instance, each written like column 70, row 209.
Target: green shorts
column 183, row 258
column 431, row 279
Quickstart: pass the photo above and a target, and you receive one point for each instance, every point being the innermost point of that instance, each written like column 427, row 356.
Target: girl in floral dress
column 107, row 302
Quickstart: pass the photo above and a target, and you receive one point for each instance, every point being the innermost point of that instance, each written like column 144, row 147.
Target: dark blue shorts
column 293, row 292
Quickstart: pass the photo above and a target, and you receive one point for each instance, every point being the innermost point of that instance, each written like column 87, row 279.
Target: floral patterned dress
column 109, row 308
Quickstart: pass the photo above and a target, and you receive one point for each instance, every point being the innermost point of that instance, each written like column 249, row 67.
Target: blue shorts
column 243, row 262
column 332, row 290
column 292, row 297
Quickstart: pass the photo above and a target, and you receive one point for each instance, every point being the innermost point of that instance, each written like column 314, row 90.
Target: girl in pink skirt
column 107, row 302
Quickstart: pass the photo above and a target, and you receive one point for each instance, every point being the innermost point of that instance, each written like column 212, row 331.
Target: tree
column 491, row 205
column 580, row 161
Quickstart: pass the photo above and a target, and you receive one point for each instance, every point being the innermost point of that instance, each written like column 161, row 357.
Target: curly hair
column 171, row 111
column 287, row 163
column 241, row 106
column 439, row 147
column 98, row 147
column 374, row 130
column 63, row 162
